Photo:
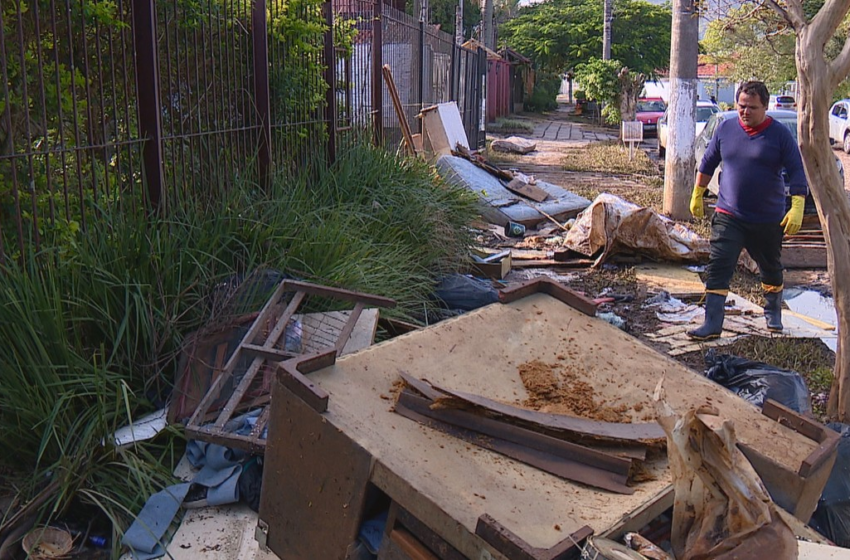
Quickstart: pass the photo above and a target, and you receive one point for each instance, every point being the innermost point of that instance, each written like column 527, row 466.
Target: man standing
column 750, row 206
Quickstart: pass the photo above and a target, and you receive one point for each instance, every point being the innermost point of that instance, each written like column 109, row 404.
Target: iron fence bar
column 27, row 131
column 377, row 76
column 259, row 32
column 60, row 111
column 421, row 71
column 330, row 80
column 10, row 139
column 43, row 94
column 147, row 95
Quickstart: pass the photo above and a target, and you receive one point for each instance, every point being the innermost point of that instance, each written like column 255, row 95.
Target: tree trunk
column 681, row 126
column 831, row 199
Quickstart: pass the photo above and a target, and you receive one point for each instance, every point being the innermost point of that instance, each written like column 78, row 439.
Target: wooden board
column 520, row 187
column 449, row 484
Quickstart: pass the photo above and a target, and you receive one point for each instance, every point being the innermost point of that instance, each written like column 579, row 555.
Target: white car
column 704, row 111
column 839, row 125
column 782, row 102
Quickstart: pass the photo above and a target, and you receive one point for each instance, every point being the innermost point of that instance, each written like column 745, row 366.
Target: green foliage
column 563, row 34
column 92, row 328
column 545, row 94
column 442, row 13
column 751, row 48
column 599, row 79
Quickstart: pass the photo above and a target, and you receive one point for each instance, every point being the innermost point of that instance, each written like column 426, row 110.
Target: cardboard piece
column 533, row 192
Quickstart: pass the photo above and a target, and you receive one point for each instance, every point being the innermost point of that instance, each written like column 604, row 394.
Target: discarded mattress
column 499, row 205
column 611, row 225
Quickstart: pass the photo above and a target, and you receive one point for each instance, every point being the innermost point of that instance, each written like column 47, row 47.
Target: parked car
column 649, row 110
column 839, row 124
column 777, row 102
column 704, row 111
column 788, row 118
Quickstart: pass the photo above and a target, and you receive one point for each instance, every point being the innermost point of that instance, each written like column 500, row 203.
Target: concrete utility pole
column 607, row 18
column 458, row 22
column 679, row 167
column 489, row 39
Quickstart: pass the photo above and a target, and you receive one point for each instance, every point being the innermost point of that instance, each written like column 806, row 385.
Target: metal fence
column 132, row 103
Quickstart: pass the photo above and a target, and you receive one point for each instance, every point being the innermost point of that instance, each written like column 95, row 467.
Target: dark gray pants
column 728, row 236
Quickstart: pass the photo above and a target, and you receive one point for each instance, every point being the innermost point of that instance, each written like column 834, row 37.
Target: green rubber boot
column 773, row 311
column 714, row 313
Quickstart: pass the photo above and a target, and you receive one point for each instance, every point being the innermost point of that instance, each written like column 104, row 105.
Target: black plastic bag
column 757, row 381
column 832, row 516
column 459, row 291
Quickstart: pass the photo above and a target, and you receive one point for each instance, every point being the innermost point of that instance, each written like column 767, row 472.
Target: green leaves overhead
column 561, row 34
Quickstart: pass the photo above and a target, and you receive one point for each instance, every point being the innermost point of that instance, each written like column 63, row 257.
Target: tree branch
column 793, row 14
column 828, row 19
column 840, row 67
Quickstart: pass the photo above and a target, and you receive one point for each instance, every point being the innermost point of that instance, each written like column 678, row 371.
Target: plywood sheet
column 479, row 352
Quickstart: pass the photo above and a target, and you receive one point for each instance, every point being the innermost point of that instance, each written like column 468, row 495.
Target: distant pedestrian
column 750, row 211
column 713, row 99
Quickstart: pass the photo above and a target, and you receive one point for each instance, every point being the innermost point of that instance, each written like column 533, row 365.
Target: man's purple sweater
column 751, row 184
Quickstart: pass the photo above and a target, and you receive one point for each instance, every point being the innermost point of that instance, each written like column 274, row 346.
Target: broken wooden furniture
column 336, row 447
column 287, row 328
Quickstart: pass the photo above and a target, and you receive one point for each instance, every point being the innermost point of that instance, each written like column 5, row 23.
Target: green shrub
column 93, row 326
column 544, row 96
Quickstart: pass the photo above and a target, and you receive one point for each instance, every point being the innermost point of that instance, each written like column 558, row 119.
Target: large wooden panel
column 314, row 482
column 448, row 484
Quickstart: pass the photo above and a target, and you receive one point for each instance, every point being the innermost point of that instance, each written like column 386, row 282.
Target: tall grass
column 92, row 327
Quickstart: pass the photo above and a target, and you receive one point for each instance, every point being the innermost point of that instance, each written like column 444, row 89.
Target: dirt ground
column 810, row 357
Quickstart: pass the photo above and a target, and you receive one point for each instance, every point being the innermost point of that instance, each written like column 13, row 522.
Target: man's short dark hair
column 754, row 88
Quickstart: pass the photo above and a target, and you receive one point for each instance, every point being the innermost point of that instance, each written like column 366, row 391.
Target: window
column 837, row 110
column 704, row 113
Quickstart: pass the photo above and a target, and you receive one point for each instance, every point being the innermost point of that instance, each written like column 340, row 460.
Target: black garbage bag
column 757, row 381
column 460, row 291
column 832, row 516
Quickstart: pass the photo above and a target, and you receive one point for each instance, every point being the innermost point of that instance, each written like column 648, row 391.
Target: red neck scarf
column 753, row 130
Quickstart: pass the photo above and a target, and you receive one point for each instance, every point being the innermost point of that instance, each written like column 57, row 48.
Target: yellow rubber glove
column 794, row 218
column 697, row 209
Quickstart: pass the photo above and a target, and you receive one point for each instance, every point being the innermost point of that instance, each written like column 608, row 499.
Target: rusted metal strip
column 534, row 440
column 272, row 354
column 642, row 432
column 508, row 543
column 418, row 409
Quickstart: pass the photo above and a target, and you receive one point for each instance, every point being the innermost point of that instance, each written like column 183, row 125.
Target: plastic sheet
column 757, row 381
column 832, row 516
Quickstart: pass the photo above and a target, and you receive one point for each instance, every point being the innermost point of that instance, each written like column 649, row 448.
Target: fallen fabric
column 220, row 470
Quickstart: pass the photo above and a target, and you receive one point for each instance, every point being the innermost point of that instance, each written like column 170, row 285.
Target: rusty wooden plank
column 215, row 387
column 552, row 288
column 422, row 386
column 403, row 518
column 272, row 354
column 828, row 439
column 635, row 432
column 417, row 408
column 339, row 293
column 535, row 440
column 345, row 334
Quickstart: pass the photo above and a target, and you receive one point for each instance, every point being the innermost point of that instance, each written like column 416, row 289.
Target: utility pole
column 489, row 39
column 607, row 18
column 458, row 22
column 681, row 127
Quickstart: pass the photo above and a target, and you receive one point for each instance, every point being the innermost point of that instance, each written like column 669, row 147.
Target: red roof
column 707, row 69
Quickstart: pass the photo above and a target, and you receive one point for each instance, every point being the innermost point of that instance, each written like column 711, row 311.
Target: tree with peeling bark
column 817, row 77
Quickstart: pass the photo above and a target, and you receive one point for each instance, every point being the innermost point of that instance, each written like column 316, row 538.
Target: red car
column 649, row 110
